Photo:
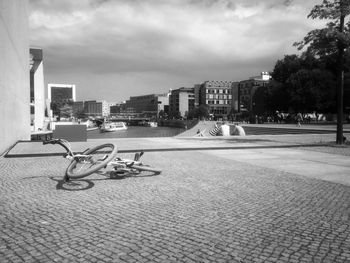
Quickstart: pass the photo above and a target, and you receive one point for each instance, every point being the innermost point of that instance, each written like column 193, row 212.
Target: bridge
column 129, row 121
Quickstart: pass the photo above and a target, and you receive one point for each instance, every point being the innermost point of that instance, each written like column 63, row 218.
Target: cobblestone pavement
column 202, row 208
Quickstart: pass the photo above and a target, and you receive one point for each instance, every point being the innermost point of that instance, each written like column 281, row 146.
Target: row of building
column 22, row 86
column 221, row 97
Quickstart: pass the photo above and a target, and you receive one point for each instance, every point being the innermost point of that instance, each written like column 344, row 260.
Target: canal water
column 136, row 132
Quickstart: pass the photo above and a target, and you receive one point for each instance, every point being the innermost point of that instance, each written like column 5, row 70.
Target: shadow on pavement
column 85, row 184
column 73, row 185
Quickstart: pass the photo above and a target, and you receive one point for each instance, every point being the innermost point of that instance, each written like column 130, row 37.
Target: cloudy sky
column 114, row 49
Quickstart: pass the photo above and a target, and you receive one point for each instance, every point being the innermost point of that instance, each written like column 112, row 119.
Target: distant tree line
column 305, row 83
column 319, row 79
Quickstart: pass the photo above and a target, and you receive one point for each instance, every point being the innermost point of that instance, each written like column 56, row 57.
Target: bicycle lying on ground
column 100, row 157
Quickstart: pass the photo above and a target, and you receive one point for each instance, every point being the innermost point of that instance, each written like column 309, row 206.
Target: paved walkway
column 253, row 199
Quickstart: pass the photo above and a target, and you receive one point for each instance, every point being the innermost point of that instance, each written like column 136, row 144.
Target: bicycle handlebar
column 53, row 141
column 60, row 142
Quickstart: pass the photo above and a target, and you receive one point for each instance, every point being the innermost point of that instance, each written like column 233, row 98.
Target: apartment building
column 246, row 92
column 181, row 101
column 217, row 95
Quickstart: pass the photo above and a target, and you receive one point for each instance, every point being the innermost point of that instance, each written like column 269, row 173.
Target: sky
column 114, row 49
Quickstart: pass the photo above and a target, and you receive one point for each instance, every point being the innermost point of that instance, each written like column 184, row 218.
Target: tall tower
column 58, row 95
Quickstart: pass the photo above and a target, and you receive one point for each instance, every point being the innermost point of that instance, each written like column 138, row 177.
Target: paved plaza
column 248, row 200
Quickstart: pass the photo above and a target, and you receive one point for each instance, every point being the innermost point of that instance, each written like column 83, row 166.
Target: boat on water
column 113, row 127
column 92, row 128
column 148, row 123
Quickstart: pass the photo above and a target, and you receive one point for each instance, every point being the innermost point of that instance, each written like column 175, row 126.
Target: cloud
column 184, row 41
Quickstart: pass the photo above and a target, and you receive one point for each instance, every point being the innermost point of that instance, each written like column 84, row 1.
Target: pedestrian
column 299, row 119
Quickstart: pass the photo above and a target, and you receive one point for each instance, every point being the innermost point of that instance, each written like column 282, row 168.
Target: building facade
column 143, row 104
column 148, row 105
column 181, row 101
column 59, row 95
column 217, row 95
column 37, row 89
column 14, row 75
column 196, row 89
column 246, row 91
column 78, row 108
column 235, row 97
column 115, row 110
column 91, row 108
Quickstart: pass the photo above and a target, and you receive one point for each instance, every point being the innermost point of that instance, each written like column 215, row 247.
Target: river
column 137, row 132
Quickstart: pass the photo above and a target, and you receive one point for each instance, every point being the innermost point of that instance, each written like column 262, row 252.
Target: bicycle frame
column 69, row 152
column 115, row 165
column 123, row 163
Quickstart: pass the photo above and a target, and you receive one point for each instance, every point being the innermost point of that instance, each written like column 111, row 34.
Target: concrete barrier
column 72, row 133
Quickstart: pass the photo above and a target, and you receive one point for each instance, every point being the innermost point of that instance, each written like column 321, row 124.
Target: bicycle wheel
column 146, row 168
column 100, row 156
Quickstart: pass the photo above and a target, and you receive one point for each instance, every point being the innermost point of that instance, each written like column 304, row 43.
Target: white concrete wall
column 14, row 73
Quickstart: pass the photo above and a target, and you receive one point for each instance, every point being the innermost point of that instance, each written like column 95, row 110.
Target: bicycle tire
column 146, row 168
column 72, row 174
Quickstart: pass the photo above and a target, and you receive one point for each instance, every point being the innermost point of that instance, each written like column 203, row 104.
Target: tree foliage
column 202, row 111
column 333, row 39
column 326, row 41
column 80, row 114
column 311, row 90
column 66, row 111
column 301, row 83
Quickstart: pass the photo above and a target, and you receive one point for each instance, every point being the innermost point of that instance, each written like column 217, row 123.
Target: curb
column 177, row 149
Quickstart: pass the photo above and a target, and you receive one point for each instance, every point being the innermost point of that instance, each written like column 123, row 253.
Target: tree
column 277, row 97
column 66, row 111
column 80, row 114
column 301, row 83
column 333, row 39
column 285, row 67
column 202, row 111
column 311, row 90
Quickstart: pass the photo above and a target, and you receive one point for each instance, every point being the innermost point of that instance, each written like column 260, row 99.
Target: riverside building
column 92, row 108
column 181, row 101
column 246, row 93
column 217, row 95
column 148, row 105
column 59, row 95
